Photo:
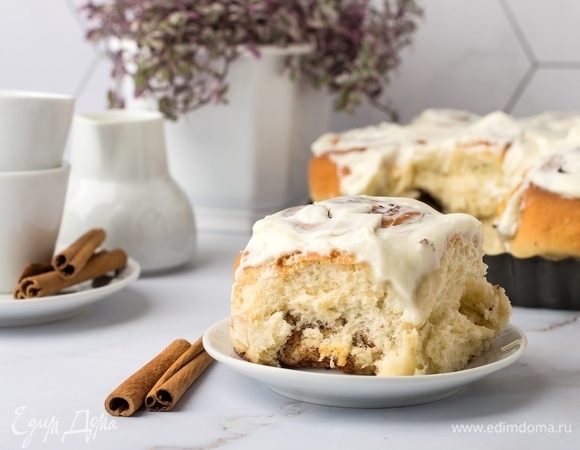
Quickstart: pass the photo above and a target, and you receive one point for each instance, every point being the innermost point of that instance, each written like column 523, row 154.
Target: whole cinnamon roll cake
column 519, row 176
column 366, row 285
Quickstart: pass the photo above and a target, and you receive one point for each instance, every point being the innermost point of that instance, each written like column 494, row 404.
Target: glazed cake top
column 435, row 135
column 401, row 239
column 445, row 128
column 560, row 172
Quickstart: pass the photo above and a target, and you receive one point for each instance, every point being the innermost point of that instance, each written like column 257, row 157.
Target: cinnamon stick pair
column 161, row 382
column 76, row 264
column 71, row 260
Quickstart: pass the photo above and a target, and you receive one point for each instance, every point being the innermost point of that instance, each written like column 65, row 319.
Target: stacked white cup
column 34, row 129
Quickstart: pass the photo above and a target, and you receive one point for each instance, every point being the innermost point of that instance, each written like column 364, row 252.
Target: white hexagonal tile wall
column 465, row 55
column 43, row 47
column 550, row 89
column 550, row 27
column 549, row 42
column 518, row 55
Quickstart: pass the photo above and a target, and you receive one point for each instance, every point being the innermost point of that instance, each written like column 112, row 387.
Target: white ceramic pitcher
column 120, row 181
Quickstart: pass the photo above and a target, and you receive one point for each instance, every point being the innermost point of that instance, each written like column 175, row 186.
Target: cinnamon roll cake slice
column 365, row 285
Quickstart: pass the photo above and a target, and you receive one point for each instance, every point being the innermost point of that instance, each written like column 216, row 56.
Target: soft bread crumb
column 327, row 312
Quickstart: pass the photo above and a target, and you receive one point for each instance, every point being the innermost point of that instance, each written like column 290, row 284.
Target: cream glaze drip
column 558, row 172
column 400, row 253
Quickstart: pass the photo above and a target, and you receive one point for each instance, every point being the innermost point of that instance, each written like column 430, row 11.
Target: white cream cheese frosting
column 402, row 240
column 558, row 173
column 431, row 154
column 519, row 142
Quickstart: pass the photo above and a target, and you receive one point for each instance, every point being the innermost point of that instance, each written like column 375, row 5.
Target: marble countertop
column 55, row 377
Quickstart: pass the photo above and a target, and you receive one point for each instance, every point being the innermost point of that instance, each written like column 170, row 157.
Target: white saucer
column 331, row 388
column 63, row 305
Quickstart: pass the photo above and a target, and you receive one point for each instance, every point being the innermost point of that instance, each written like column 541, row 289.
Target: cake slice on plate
column 366, row 285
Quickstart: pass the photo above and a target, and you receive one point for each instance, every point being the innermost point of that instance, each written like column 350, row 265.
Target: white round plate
column 333, row 388
column 63, row 305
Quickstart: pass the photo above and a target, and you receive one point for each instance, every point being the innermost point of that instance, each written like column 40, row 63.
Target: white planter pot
column 241, row 161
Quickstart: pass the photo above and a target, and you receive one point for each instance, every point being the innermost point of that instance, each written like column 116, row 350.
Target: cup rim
column 9, row 94
column 115, row 116
column 65, row 166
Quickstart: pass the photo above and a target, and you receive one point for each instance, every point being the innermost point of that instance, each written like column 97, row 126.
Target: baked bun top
column 401, row 239
column 560, row 172
column 548, row 196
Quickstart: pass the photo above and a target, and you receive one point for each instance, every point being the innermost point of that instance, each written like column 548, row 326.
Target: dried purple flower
column 183, row 48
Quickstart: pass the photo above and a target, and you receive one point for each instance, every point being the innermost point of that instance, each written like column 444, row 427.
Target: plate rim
column 451, row 380
column 15, row 312
column 130, row 272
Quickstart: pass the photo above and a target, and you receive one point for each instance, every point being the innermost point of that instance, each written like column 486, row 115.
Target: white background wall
column 522, row 56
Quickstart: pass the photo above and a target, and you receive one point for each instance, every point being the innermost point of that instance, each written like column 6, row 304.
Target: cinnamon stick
column 178, row 378
column 30, row 270
column 72, row 259
column 35, row 269
column 50, row 282
column 130, row 395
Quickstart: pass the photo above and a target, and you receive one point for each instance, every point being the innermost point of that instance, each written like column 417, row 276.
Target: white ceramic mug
column 34, row 128
column 31, row 209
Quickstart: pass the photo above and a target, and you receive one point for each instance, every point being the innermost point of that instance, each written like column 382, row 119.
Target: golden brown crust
column 237, row 260
column 323, row 178
column 290, row 261
column 549, row 225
